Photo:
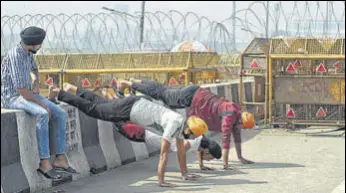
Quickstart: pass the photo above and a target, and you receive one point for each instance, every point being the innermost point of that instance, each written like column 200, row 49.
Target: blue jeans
column 58, row 117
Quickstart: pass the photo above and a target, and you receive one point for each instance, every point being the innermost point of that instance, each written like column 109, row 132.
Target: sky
column 224, row 8
column 213, row 10
column 221, row 9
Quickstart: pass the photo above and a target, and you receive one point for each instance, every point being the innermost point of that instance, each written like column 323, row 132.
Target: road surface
column 285, row 163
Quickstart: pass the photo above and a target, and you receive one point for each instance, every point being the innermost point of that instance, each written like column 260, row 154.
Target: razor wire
column 118, row 32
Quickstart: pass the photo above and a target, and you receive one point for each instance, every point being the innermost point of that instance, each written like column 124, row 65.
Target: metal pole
column 327, row 18
column 270, row 87
column 124, row 70
column 267, row 21
column 277, row 10
column 240, row 86
column 266, row 91
column 142, row 26
column 233, row 23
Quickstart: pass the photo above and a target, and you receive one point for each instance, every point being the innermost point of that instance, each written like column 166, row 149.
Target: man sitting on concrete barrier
column 139, row 110
column 206, row 149
column 17, row 92
column 219, row 114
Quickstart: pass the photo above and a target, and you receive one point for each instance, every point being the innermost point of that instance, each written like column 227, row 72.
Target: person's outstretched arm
column 165, row 146
column 230, row 127
column 227, row 124
column 181, row 156
column 236, row 132
column 181, row 152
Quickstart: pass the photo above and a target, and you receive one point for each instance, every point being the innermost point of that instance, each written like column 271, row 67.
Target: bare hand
column 36, row 87
column 245, row 161
column 206, row 168
column 167, row 185
column 36, row 90
column 229, row 167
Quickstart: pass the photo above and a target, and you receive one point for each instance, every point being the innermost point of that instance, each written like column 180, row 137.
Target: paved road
column 285, row 163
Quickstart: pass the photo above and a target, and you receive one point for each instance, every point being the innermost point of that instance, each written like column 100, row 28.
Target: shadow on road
column 260, row 165
column 216, row 180
column 189, row 186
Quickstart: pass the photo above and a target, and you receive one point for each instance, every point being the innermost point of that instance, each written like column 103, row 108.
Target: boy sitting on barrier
column 206, row 149
column 219, row 114
column 141, row 111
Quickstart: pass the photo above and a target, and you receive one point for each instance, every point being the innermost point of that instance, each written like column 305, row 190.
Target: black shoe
column 67, row 170
column 51, row 174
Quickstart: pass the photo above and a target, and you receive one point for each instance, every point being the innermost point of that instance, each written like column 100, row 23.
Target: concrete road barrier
column 13, row 178
column 91, row 144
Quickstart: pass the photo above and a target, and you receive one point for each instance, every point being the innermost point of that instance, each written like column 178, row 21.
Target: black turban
column 32, row 35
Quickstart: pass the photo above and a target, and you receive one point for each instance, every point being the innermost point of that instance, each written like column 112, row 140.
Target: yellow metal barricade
column 307, row 81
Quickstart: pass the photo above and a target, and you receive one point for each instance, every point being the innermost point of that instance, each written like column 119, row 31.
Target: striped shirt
column 15, row 73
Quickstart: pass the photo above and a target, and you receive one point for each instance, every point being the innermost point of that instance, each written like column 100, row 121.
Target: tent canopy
column 190, row 46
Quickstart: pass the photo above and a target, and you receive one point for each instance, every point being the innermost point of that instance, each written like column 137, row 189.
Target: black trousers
column 150, row 88
column 90, row 96
column 93, row 105
column 172, row 97
column 119, row 126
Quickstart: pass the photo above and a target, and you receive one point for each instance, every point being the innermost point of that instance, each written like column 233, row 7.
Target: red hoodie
column 219, row 114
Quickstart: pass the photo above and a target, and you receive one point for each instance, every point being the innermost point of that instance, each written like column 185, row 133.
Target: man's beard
column 33, row 51
column 186, row 136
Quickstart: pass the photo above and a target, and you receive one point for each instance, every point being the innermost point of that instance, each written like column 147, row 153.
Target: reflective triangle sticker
column 172, row 82
column 113, row 82
column 254, row 64
column 337, row 65
column 321, row 68
column 290, row 68
column 290, row 114
column 297, row 63
column 321, row 113
column 49, row 81
column 97, row 83
column 86, row 83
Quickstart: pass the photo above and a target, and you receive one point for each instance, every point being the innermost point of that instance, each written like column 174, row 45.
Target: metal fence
column 307, row 81
column 90, row 70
